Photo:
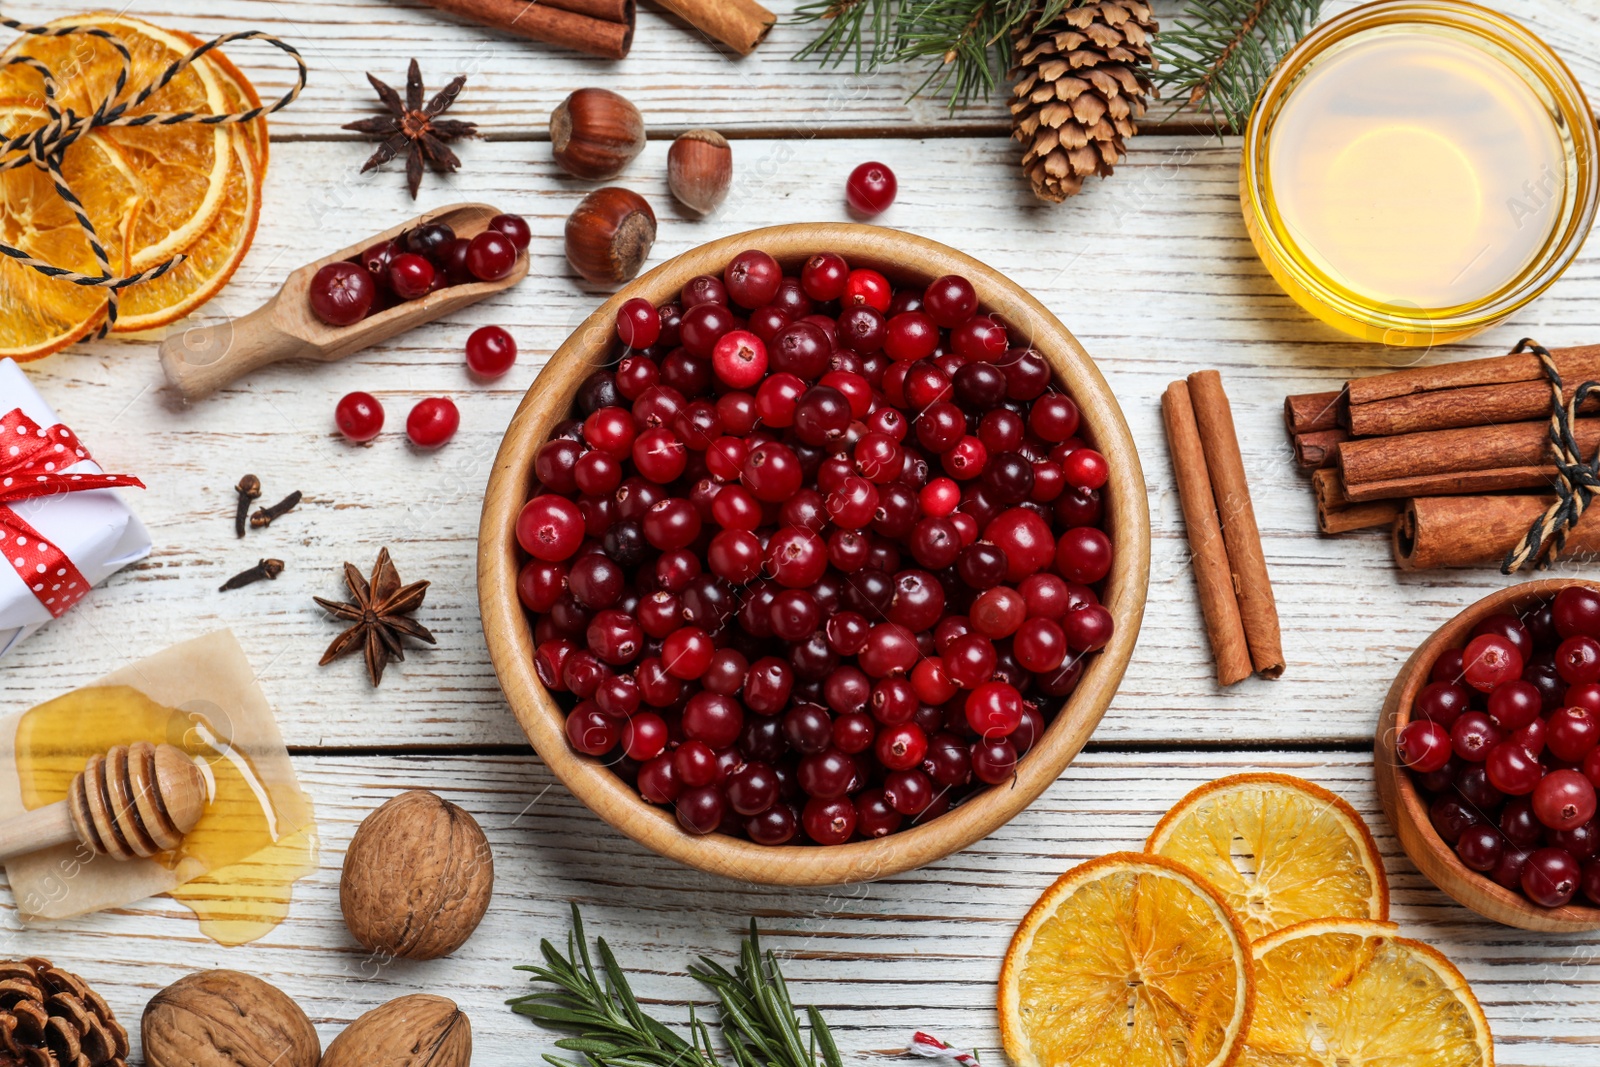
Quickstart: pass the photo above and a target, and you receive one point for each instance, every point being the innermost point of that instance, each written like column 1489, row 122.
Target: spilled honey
column 238, row 866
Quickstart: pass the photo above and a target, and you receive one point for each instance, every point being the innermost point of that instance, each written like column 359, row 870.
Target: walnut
column 227, row 1019
column 414, row 1031
column 417, row 878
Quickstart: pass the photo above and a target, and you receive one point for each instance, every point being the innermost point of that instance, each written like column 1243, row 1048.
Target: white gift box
column 94, row 528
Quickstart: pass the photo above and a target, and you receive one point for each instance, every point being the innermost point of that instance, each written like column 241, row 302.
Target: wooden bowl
column 1408, row 812
column 905, row 258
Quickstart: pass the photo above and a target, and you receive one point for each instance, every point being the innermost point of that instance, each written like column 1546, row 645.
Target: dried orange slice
column 182, row 170
column 240, row 95
column 1280, row 849
column 1352, row 992
column 1129, row 960
column 208, row 263
column 43, row 315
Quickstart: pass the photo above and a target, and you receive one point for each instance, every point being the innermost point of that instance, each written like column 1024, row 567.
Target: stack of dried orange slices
column 152, row 191
column 1252, row 930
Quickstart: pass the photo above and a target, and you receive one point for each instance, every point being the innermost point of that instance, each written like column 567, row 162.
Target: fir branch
column 758, row 1019
column 964, row 44
column 1221, row 52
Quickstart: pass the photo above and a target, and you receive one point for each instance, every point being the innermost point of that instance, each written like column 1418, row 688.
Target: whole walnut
column 414, row 1031
column 227, row 1019
column 417, row 878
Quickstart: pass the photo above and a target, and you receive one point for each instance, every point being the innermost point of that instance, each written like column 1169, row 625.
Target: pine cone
column 1081, row 82
column 51, row 1018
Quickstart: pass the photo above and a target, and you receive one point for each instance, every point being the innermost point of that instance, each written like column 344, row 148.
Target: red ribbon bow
column 33, row 463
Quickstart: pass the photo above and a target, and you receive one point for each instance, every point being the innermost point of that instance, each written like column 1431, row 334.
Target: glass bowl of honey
column 1416, row 170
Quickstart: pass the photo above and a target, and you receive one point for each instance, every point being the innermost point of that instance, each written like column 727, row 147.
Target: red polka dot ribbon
column 34, row 461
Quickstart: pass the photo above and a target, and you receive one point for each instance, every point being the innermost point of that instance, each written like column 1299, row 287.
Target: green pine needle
column 758, row 1020
column 1219, row 53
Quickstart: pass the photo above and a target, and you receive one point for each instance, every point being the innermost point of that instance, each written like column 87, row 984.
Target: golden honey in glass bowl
column 1416, row 171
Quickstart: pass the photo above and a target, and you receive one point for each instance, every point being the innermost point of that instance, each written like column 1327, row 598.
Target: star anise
column 378, row 614
column 414, row 129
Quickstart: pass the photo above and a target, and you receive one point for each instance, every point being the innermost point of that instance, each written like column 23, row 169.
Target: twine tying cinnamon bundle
column 1577, row 481
column 47, row 146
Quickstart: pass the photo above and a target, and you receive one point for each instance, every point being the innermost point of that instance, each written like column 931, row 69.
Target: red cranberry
column 359, row 416
column 1489, row 660
column 432, row 422
column 342, row 294
column 490, row 351
column 1551, row 877
column 410, row 276
column 491, row 256
column 871, row 189
column 1576, row 612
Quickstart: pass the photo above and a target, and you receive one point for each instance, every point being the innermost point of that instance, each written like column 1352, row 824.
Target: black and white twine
column 47, row 146
column 1577, row 481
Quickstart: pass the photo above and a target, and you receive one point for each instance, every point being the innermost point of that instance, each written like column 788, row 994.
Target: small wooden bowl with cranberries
column 1488, row 754
column 814, row 555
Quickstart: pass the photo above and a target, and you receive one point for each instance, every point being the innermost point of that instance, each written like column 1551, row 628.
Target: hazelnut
column 417, row 878
column 594, row 133
column 700, row 169
column 227, row 1019
column 609, row 235
column 414, row 1031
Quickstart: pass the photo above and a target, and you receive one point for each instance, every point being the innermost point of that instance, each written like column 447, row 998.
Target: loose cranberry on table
column 871, row 189
column 1504, row 745
column 490, row 351
column 820, row 556
column 432, row 422
column 359, row 416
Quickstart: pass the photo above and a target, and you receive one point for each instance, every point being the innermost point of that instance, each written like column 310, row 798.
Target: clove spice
column 266, row 569
column 264, row 516
column 249, row 488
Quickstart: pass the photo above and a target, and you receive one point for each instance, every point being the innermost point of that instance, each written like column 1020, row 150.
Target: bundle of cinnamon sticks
column 1230, row 568
column 1455, row 459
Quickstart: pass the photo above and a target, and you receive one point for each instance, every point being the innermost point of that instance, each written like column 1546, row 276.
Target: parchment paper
column 208, row 676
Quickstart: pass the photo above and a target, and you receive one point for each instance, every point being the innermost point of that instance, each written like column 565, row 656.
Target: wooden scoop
column 134, row 801
column 201, row 360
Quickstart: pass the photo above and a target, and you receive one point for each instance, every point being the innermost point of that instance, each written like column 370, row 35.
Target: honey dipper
column 135, row 801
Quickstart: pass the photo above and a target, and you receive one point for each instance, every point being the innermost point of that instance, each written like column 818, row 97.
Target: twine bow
column 46, row 146
column 34, row 461
column 1577, row 481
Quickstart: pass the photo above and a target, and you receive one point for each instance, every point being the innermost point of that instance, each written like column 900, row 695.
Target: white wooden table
column 1153, row 272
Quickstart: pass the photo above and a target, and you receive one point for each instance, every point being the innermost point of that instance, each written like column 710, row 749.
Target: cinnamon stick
column 548, row 24
column 605, row 10
column 739, row 24
column 1307, row 412
column 1336, row 513
column 1517, row 444
column 1477, row 392
column 1257, row 608
column 1464, row 531
column 1315, row 449
column 1453, row 483
column 1219, row 606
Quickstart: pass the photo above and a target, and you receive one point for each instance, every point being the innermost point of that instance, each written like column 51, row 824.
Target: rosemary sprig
column 610, row 1029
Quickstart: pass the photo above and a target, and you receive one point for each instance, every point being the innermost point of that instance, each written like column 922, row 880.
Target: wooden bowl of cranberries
column 814, row 555
column 1488, row 756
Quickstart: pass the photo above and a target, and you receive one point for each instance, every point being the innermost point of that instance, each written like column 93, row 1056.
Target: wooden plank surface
column 921, row 951
column 674, row 75
column 1152, row 271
